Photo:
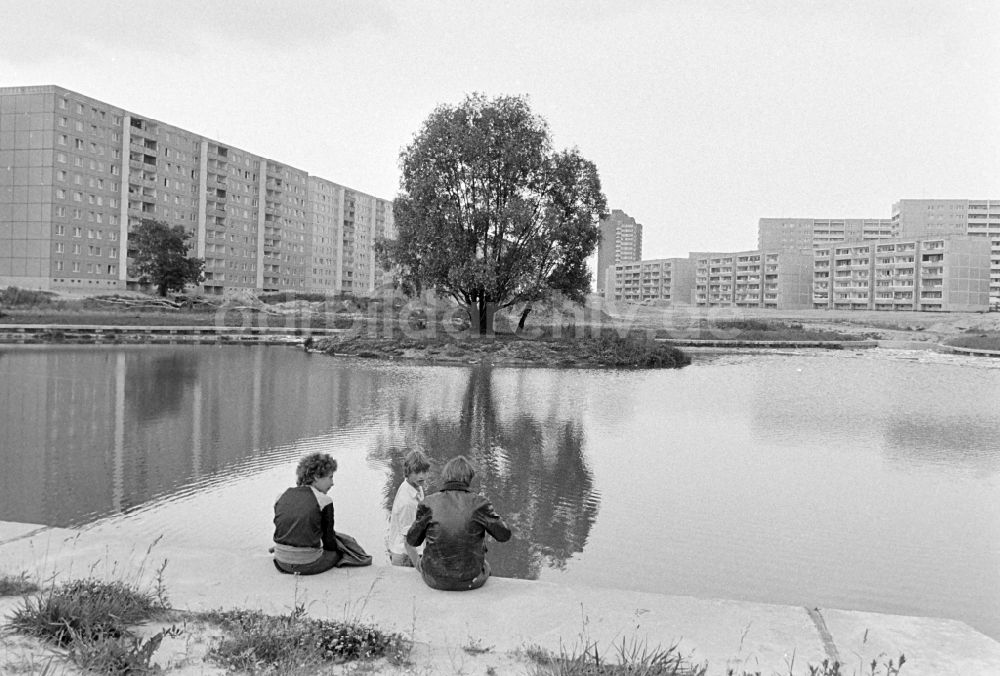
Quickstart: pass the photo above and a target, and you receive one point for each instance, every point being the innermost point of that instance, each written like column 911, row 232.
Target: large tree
column 160, row 256
column 489, row 214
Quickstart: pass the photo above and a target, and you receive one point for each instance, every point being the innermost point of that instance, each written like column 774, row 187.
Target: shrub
column 978, row 341
column 13, row 296
column 635, row 351
column 288, row 296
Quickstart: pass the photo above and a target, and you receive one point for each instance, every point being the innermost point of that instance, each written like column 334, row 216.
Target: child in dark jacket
column 453, row 524
column 304, row 539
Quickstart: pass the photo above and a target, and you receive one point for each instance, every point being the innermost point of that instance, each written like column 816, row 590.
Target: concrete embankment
column 491, row 627
column 90, row 334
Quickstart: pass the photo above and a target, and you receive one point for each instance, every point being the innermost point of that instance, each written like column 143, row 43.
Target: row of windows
column 60, row 229
column 91, row 268
column 95, row 165
column 91, row 250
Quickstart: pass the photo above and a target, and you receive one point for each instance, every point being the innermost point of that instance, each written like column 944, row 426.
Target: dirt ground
column 892, row 326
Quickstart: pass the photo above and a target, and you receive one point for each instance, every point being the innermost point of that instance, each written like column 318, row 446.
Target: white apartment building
column 933, row 274
column 806, row 233
column 753, row 279
column 916, row 218
column 666, row 280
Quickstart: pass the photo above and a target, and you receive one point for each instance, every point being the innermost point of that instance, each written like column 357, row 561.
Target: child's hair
column 312, row 466
column 415, row 462
column 458, row 469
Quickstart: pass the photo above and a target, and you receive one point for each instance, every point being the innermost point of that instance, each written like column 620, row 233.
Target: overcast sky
column 702, row 116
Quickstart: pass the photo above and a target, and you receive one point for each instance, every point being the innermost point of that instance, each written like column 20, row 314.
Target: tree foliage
column 160, row 256
column 489, row 214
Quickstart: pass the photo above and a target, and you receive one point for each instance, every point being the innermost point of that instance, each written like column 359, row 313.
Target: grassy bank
column 747, row 330
column 606, row 350
column 92, row 623
column 977, row 341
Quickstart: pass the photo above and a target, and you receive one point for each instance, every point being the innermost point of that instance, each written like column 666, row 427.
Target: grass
column 16, row 585
column 636, row 349
column 257, row 643
column 12, row 296
column 632, row 352
column 90, row 619
column 977, row 340
column 754, row 329
column 636, row 658
column 633, row 658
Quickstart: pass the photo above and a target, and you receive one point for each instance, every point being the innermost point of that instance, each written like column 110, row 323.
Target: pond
column 863, row 480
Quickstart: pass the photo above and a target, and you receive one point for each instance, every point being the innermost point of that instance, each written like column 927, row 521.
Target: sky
column 702, row 116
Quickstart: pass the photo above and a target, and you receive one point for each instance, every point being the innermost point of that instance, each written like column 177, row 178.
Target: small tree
column 489, row 214
column 160, row 256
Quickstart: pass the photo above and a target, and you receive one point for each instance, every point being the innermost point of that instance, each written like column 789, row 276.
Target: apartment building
column 774, row 234
column 664, row 280
column 78, row 174
column 915, row 218
column 933, row 274
column 621, row 242
column 778, row 279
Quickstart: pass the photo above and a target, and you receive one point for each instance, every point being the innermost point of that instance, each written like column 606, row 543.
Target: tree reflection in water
column 531, row 468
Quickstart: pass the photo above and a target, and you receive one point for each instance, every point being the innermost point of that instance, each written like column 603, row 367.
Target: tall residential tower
column 621, row 242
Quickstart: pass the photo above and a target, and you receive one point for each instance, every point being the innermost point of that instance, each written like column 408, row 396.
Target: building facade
column 621, row 242
column 665, row 280
column 805, row 233
column 77, row 175
column 931, row 274
column 937, row 218
column 779, row 280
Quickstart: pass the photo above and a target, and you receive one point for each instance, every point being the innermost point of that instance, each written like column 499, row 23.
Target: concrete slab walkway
column 509, row 615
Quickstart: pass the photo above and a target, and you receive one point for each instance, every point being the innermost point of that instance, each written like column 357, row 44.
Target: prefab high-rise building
column 621, row 242
column 803, row 234
column 920, row 218
column 77, row 175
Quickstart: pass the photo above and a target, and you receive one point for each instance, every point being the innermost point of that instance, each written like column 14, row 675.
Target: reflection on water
column 531, row 468
column 91, row 431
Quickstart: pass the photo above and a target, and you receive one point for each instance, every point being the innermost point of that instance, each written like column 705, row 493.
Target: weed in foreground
column 89, row 618
column 634, row 659
column 267, row 644
column 16, row 585
column 637, row 659
column 82, row 609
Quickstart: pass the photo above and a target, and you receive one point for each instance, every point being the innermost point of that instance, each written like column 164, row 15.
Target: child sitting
column 404, row 510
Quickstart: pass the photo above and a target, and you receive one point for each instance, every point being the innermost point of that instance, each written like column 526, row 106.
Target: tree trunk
column 481, row 314
column 163, row 290
column 524, row 318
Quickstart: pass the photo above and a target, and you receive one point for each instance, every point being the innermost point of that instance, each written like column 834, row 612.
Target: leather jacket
column 452, row 524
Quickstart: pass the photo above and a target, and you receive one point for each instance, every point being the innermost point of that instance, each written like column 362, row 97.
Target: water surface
column 866, row 480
